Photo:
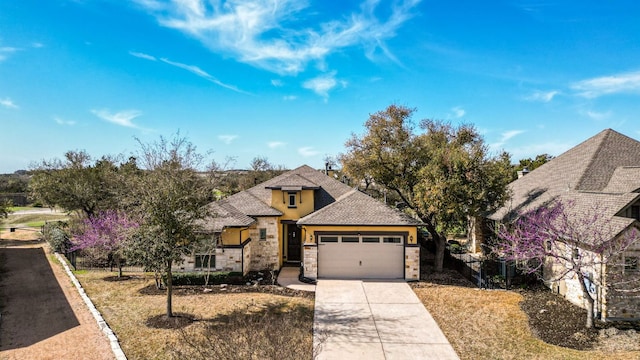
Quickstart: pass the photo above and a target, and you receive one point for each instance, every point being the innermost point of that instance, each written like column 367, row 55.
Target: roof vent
column 523, row 172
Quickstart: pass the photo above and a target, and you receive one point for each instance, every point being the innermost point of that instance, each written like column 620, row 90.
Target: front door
column 294, row 245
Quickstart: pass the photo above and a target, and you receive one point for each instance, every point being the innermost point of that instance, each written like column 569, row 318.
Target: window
column 630, row 263
column 328, row 239
column 392, row 240
column 205, row 261
column 263, row 234
column 350, row 239
column 370, row 239
column 292, row 199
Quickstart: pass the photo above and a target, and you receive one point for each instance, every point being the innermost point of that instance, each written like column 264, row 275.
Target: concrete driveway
column 359, row 319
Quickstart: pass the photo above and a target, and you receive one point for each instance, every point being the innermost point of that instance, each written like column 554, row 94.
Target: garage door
column 361, row 256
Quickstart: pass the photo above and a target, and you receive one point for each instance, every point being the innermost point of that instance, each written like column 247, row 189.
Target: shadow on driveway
column 34, row 307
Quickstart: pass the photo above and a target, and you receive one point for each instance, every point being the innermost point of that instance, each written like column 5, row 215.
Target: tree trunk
column 438, row 262
column 169, row 289
column 119, row 264
column 440, row 242
column 590, row 302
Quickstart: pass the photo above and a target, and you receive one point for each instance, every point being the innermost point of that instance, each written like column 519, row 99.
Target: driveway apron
column 360, row 319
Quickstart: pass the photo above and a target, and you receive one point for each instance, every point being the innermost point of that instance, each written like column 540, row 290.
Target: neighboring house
column 604, row 171
column 306, row 217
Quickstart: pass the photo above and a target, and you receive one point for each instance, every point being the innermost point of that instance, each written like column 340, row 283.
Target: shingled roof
column 335, row 203
column 357, row 208
column 603, row 170
column 225, row 215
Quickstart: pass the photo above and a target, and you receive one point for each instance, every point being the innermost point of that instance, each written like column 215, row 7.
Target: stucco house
column 307, row 217
column 604, row 170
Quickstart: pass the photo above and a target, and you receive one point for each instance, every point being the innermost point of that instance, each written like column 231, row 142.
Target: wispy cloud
column 542, row 96
column 203, row 74
column 289, row 97
column 190, row 68
column 8, row 103
column 227, row 139
column 61, row 121
column 268, row 33
column 457, row 112
column 122, row 118
column 595, row 115
column 276, row 144
column 322, row 84
column 277, row 83
column 504, row 138
column 605, row 85
column 142, row 55
column 5, row 51
column 307, row 151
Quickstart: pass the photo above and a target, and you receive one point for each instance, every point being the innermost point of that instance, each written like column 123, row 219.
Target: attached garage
column 361, row 256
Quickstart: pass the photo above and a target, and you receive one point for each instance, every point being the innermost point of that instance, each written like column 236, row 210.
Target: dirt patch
column 177, row 321
column 117, row 278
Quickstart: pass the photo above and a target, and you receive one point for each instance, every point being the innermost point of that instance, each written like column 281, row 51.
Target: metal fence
column 486, row 273
column 81, row 262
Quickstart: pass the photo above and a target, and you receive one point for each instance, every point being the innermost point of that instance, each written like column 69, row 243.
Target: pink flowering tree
column 105, row 235
column 559, row 242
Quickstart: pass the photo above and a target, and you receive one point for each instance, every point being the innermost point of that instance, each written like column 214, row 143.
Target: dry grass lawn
column 126, row 311
column 488, row 324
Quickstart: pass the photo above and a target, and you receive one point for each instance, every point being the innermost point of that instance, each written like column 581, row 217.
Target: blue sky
column 290, row 80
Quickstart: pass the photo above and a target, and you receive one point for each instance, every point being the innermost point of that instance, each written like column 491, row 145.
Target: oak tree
column 442, row 173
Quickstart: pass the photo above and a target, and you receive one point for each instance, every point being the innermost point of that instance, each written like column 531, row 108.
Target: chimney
column 523, row 172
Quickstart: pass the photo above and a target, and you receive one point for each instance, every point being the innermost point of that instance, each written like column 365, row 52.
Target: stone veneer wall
column 412, row 263
column 264, row 253
column 246, row 253
column 310, row 261
column 226, row 260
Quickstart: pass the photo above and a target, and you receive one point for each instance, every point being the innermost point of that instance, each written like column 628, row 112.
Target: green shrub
column 54, row 233
column 215, row 278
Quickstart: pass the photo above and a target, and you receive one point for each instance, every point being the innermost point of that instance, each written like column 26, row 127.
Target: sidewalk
column 288, row 277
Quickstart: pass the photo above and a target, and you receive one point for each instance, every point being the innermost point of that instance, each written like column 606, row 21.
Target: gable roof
column 589, row 166
column 357, row 208
column 334, row 203
column 225, row 215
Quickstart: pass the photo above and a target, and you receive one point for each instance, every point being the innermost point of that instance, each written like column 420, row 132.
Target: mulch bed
column 556, row 321
column 182, row 290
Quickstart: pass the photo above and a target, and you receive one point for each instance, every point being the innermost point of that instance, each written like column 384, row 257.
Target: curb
column 102, row 324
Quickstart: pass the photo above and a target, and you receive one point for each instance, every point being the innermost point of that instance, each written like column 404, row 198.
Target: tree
column 557, row 242
column 171, row 196
column 531, row 164
column 5, row 208
column 442, row 174
column 105, row 235
column 76, row 184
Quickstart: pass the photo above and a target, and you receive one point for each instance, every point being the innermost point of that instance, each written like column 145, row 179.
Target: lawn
column 30, row 220
column 253, row 316
column 489, row 324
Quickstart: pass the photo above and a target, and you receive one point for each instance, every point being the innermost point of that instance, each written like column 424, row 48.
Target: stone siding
column 310, row 261
column 264, row 253
column 412, row 263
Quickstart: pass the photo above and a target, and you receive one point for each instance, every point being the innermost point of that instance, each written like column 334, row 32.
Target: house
column 305, row 217
column 603, row 171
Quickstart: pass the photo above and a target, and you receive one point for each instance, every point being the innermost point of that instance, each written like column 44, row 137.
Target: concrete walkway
column 373, row 320
column 288, row 277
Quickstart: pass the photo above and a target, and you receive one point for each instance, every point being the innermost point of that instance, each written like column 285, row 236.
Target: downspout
column 242, row 252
